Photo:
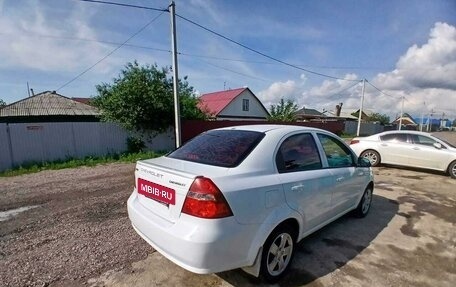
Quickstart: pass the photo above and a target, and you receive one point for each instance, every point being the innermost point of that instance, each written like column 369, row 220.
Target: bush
column 135, row 145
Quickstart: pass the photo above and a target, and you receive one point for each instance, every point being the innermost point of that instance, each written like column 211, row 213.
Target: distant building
column 237, row 104
column 48, row 107
column 348, row 114
column 406, row 120
column 432, row 124
column 309, row 114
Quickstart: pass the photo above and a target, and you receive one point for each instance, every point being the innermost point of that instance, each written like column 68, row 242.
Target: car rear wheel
column 452, row 169
column 277, row 255
column 372, row 156
column 364, row 205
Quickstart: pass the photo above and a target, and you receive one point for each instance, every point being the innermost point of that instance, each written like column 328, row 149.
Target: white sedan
column 407, row 148
column 242, row 197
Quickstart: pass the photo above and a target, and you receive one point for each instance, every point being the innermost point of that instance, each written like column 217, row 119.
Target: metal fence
column 366, row 129
column 22, row 143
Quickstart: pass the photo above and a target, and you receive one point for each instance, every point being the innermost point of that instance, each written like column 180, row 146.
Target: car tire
column 452, row 169
column 372, row 156
column 278, row 252
column 365, row 203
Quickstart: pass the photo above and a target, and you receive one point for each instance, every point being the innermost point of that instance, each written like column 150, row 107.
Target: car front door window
column 341, row 164
column 336, row 153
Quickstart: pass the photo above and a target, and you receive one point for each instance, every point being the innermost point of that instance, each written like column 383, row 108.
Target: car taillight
column 354, row 141
column 205, row 200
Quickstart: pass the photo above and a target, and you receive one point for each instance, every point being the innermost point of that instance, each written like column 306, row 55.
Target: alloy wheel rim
column 366, row 201
column 371, row 157
column 279, row 254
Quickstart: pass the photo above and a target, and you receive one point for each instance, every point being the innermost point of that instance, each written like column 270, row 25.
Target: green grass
column 33, row 167
column 347, row 136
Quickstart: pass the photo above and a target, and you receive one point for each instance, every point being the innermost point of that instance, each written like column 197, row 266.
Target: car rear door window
column 297, row 153
column 226, row 148
column 394, row 138
column 337, row 154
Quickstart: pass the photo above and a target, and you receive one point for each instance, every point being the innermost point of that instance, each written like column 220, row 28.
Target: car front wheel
column 277, row 255
column 452, row 169
column 372, row 156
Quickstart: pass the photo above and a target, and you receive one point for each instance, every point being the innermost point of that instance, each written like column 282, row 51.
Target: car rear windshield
column 226, row 148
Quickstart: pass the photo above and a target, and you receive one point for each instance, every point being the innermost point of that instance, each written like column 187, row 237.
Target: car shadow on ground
column 414, row 169
column 329, row 248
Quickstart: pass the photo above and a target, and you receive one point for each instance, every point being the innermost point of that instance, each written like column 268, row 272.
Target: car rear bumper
column 199, row 245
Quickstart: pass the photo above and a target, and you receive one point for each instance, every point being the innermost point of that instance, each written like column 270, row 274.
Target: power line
column 92, row 40
column 232, row 71
column 110, row 53
column 345, row 89
column 380, row 90
column 186, row 54
column 124, row 5
column 258, row 52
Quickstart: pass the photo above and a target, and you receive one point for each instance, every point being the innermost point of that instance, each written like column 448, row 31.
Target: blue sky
column 404, row 48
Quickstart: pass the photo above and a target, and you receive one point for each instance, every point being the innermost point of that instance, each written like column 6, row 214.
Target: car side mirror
column 364, row 162
column 437, row 145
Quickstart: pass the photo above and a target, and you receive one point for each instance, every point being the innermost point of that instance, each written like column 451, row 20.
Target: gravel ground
column 79, row 228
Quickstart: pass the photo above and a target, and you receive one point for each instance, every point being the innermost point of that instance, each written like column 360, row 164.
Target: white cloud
column 325, row 96
column 288, row 90
column 32, row 39
column 424, row 76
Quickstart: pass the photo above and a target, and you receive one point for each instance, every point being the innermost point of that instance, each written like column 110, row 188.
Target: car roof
column 405, row 132
column 269, row 127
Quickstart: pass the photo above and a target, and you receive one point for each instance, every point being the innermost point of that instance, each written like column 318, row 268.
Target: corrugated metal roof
column 48, row 104
column 309, row 112
column 214, row 103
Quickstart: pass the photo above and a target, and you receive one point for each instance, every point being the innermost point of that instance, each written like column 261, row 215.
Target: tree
column 2, row 103
column 141, row 98
column 381, row 118
column 283, row 112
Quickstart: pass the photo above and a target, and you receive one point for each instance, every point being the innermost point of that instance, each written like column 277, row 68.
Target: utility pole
column 402, row 113
column 177, row 123
column 422, row 115
column 28, row 89
column 442, row 120
column 361, row 108
column 430, row 119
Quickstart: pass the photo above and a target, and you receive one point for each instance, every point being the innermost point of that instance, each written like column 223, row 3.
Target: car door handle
column 416, row 148
column 299, row 187
column 384, row 144
column 339, row 179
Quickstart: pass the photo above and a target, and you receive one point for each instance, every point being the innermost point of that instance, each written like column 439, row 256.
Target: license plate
column 156, row 191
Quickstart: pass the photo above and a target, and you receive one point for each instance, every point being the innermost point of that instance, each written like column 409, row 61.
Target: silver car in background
column 407, row 148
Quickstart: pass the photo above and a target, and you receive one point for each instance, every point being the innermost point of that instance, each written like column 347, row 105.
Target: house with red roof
column 236, row 104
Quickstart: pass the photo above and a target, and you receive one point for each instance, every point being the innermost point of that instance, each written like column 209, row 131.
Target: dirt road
column 78, row 233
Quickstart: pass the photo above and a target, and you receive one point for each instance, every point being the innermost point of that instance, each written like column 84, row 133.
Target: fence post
column 10, row 145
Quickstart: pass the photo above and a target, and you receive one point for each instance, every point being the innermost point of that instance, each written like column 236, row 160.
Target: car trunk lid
column 162, row 190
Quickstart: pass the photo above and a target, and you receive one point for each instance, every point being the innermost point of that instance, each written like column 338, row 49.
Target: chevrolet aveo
column 242, row 197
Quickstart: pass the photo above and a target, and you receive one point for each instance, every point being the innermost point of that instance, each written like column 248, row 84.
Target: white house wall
column 234, row 109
